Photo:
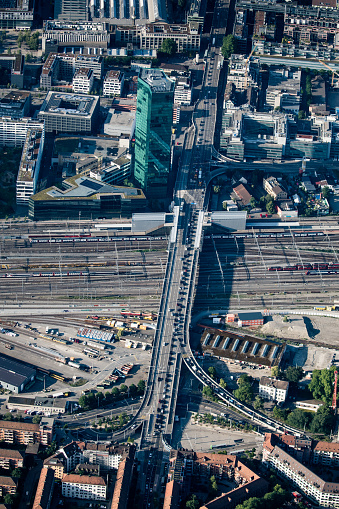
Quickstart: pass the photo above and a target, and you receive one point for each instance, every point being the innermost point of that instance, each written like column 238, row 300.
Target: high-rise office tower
column 153, row 131
column 71, row 10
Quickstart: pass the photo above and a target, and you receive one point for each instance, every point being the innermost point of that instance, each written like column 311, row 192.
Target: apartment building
column 122, row 483
column 113, row 83
column 85, row 487
column 44, row 491
column 83, row 81
column 57, row 464
column 272, row 389
column 107, row 456
column 189, row 468
column 272, row 187
column 11, row 458
column 26, row 432
column 15, row 104
column 7, row 485
column 326, row 494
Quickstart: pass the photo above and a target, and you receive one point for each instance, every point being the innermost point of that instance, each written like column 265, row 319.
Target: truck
column 74, row 364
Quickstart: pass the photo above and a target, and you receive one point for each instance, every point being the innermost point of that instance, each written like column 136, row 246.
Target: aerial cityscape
column 169, row 254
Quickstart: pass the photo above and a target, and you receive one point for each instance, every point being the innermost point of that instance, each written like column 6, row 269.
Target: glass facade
column 153, row 131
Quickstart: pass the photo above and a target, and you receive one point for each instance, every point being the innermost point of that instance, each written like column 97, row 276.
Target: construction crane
column 330, row 68
column 246, row 64
column 334, row 401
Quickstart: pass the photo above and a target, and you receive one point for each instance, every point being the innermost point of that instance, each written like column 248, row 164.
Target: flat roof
column 61, row 103
column 156, row 79
column 13, row 372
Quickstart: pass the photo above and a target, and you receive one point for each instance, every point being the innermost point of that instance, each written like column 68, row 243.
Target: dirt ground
column 319, row 328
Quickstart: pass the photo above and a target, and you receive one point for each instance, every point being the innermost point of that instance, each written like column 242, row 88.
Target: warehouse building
column 14, row 375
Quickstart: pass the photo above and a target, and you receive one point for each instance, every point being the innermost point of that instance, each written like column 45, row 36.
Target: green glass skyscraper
column 153, row 131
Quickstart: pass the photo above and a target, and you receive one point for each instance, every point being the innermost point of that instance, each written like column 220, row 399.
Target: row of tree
column 91, row 400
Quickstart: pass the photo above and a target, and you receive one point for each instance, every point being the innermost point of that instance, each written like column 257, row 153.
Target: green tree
column 17, row 472
column 169, row 46
column 275, row 371
column 8, row 499
column 115, row 392
column 133, row 390
column 253, row 202
column 326, row 192
column 130, row 440
column 298, row 419
column 36, row 419
column 301, row 114
column 8, row 416
column 123, row 389
column 245, row 391
column 213, row 487
column 229, row 46
column 294, row 373
column 207, row 391
column 182, row 4
column 258, row 403
column 193, row 502
column 141, row 386
column 323, row 421
column 222, row 383
column 212, row 372
column 270, row 207
column 321, row 385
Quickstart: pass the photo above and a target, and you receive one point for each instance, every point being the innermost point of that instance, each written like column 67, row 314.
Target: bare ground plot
column 318, row 328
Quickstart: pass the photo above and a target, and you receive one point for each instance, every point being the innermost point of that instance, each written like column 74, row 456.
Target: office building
column 272, row 389
column 16, row 15
column 13, row 132
column 44, row 491
column 11, row 458
column 69, row 113
column 113, row 83
column 83, row 81
column 71, row 10
column 153, row 131
column 25, row 433
column 60, row 68
column 85, row 487
column 119, row 123
column 91, row 198
column 90, row 37
column 114, row 173
column 47, row 406
column 183, row 90
column 15, row 104
column 283, row 91
column 29, row 167
column 187, row 37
